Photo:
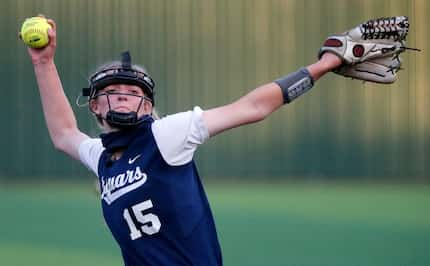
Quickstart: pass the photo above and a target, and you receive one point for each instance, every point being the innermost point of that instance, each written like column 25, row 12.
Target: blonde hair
column 118, row 64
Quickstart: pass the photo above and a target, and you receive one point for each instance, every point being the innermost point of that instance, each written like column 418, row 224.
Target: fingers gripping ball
column 34, row 32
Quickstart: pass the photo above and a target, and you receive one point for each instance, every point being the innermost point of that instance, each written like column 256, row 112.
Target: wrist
column 44, row 67
column 327, row 63
column 330, row 61
column 295, row 84
column 43, row 62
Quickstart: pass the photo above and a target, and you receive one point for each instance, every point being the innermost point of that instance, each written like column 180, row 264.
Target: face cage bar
column 130, row 114
column 107, row 94
column 119, row 75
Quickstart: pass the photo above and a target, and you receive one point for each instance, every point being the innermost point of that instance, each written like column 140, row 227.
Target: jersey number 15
column 149, row 223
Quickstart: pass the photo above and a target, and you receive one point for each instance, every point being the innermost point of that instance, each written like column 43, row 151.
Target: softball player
column 151, row 194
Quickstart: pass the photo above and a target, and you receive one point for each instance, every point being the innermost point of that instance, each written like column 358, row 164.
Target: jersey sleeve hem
column 90, row 151
column 178, row 136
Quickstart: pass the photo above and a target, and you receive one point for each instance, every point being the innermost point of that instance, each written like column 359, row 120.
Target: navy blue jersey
column 158, row 213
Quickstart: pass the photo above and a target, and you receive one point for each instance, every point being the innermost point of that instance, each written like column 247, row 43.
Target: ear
column 94, row 107
column 147, row 107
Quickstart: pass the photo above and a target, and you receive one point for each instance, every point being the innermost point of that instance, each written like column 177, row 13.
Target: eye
column 111, row 90
column 133, row 91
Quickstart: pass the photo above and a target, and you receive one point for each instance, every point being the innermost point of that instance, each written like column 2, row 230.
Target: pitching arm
column 60, row 120
column 264, row 100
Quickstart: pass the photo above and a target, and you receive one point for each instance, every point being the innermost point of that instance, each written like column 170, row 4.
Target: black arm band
column 295, row 84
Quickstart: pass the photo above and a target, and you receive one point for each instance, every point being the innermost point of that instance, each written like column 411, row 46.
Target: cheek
column 98, row 106
column 146, row 107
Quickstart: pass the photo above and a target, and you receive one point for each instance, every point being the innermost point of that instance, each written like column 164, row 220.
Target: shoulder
column 181, row 123
column 90, row 151
column 178, row 135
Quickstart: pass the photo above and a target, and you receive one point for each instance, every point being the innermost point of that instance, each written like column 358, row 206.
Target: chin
column 122, row 110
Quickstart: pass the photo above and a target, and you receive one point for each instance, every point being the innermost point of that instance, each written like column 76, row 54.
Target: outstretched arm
column 60, row 120
column 261, row 102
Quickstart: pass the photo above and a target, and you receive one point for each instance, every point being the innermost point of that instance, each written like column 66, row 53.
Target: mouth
column 123, row 109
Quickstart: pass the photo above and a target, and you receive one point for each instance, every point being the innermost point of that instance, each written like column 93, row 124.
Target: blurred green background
column 209, row 53
column 258, row 224
column 339, row 177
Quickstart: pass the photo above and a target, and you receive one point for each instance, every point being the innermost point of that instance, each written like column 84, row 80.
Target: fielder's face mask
column 121, row 75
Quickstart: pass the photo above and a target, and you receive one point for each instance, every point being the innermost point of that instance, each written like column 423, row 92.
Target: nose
column 121, row 97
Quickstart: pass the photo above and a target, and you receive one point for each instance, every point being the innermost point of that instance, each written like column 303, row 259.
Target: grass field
column 288, row 224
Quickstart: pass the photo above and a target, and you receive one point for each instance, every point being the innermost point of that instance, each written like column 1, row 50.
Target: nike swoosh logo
column 132, row 160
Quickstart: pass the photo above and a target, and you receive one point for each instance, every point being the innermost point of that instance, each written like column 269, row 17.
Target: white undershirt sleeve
column 177, row 136
column 90, row 151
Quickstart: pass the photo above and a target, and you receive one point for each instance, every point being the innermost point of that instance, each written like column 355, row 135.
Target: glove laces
column 386, row 28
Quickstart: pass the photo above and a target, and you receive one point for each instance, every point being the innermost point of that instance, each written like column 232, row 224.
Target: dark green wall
column 209, row 53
